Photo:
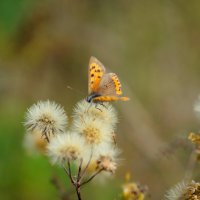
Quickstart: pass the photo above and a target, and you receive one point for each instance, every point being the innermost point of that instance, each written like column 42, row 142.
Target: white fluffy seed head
column 67, row 147
column 46, row 117
column 104, row 157
column 175, row 193
column 184, row 191
column 105, row 112
column 93, row 130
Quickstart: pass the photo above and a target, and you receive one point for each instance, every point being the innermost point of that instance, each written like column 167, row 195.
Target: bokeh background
column 154, row 47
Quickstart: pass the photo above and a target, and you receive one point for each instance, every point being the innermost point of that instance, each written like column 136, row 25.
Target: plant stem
column 84, row 171
column 78, row 191
column 76, row 183
column 70, row 173
column 95, row 174
column 79, row 170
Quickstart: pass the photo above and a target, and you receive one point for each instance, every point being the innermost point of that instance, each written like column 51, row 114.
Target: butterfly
column 102, row 87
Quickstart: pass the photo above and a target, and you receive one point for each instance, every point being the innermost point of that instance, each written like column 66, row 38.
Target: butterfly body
column 95, row 97
column 90, row 98
column 102, row 87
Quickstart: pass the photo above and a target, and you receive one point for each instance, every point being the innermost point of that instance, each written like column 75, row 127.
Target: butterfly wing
column 110, row 89
column 95, row 73
column 109, row 85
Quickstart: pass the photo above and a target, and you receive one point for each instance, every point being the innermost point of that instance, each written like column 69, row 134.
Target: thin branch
column 45, row 135
column 70, row 173
column 95, row 174
column 79, row 170
column 65, row 170
column 84, row 171
column 75, row 183
column 78, row 192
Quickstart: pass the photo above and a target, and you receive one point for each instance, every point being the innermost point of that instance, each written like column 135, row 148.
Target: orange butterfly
column 102, row 87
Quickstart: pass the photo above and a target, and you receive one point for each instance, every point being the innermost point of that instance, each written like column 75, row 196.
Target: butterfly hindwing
column 109, row 85
column 96, row 71
column 116, row 83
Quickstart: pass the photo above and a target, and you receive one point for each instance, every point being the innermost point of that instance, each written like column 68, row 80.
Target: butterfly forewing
column 96, row 71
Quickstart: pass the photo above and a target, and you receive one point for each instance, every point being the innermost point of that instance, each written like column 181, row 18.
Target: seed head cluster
column 87, row 142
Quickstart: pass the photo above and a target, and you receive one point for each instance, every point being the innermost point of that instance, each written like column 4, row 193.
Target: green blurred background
column 154, row 47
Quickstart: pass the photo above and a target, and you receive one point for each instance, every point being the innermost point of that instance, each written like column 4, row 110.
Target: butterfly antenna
column 72, row 89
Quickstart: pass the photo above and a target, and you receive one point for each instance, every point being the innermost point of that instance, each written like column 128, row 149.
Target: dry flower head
column 46, row 117
column 184, row 191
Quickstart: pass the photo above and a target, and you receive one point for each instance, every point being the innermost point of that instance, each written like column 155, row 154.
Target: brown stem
column 69, row 174
column 84, row 171
column 75, row 183
column 95, row 174
column 79, row 170
column 78, row 192
column 46, row 136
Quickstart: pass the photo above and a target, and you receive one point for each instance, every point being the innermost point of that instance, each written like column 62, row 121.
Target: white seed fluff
column 107, row 157
column 106, row 112
column 176, row 192
column 67, row 146
column 46, row 117
column 93, row 130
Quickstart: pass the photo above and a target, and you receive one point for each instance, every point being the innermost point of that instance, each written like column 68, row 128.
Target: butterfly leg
column 90, row 104
column 102, row 104
column 96, row 106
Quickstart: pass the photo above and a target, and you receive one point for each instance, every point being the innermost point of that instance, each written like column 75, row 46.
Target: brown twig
column 85, row 169
column 79, row 170
column 95, row 174
column 70, row 173
column 77, row 181
column 78, row 192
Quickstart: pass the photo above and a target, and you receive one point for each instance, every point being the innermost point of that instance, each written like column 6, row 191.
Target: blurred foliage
column 154, row 46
